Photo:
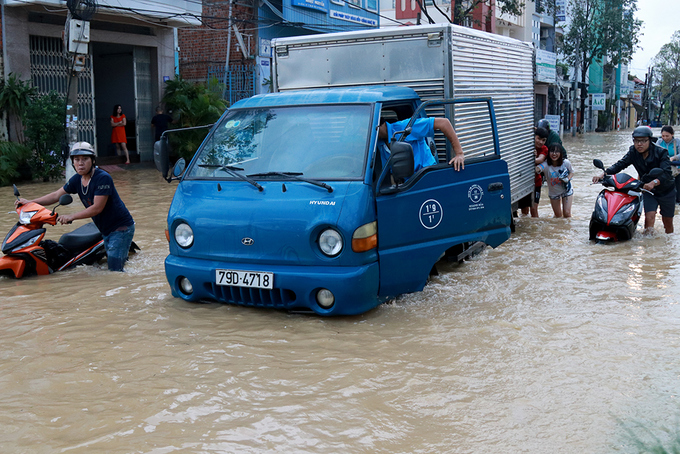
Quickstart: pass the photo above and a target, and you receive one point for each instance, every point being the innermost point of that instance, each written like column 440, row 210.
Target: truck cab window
column 320, row 142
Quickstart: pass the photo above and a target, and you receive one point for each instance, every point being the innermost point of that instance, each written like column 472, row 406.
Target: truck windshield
column 317, row 142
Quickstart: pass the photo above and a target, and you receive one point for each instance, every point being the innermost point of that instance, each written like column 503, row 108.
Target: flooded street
column 549, row 343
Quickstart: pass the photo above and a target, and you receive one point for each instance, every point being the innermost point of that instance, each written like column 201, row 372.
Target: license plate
column 250, row 279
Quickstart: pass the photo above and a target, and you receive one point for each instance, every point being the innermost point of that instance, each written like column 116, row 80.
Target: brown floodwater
column 549, row 343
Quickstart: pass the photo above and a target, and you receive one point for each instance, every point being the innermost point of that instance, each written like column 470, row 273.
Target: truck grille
column 253, row 296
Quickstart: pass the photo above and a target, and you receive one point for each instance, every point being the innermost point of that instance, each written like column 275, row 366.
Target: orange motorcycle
column 27, row 253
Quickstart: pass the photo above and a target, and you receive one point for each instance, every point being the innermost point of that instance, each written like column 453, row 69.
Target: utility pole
column 576, row 73
column 649, row 96
column 76, row 47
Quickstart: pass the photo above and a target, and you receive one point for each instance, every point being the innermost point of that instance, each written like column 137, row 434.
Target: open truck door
column 438, row 209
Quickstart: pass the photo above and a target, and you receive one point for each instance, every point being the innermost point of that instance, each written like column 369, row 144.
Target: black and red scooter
column 27, row 253
column 618, row 207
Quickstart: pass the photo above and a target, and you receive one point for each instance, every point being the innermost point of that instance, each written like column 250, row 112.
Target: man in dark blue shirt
column 102, row 203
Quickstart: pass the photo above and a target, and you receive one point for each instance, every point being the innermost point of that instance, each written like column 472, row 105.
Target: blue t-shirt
column 114, row 214
column 421, row 129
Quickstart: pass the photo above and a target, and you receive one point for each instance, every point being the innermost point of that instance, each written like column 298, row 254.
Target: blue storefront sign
column 318, row 5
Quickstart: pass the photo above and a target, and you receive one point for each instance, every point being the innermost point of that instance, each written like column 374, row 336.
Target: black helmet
column 545, row 124
column 82, row 149
column 643, row 131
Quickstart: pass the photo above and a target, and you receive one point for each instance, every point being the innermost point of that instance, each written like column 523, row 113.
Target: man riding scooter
column 645, row 156
column 102, row 203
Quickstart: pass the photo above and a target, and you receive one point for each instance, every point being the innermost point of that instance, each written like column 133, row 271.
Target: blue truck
column 287, row 203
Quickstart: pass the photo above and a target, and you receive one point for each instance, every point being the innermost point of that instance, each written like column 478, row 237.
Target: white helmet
column 82, row 149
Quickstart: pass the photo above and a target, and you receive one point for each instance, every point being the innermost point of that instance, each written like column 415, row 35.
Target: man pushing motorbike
column 645, row 156
column 102, row 203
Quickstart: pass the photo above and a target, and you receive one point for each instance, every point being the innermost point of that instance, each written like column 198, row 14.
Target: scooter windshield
column 317, row 142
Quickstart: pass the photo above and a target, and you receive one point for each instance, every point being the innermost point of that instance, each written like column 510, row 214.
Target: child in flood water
column 541, row 154
column 558, row 172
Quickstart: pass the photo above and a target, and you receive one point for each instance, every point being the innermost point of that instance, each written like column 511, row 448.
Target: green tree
column 463, row 9
column 14, row 159
column 600, row 30
column 192, row 104
column 44, row 121
column 15, row 96
column 667, row 77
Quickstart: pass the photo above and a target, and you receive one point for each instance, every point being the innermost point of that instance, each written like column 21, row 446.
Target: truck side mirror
column 402, row 161
column 180, row 165
column 161, row 156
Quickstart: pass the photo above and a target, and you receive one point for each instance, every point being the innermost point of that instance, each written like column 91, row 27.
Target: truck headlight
column 330, row 242
column 184, row 235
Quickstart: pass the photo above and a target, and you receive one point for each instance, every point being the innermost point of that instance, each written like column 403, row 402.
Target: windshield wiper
column 233, row 171
column 294, row 176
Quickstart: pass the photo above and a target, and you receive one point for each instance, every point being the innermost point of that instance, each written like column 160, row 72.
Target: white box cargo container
column 437, row 61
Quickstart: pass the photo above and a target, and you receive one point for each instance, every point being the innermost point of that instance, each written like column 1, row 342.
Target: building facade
column 131, row 51
column 234, row 42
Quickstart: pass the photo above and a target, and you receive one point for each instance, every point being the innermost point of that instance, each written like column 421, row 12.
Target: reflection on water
column 538, row 346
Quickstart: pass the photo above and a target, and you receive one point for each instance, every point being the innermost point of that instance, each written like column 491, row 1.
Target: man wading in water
column 102, row 203
column 645, row 156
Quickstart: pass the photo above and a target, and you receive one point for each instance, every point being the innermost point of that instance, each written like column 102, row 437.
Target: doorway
column 113, row 84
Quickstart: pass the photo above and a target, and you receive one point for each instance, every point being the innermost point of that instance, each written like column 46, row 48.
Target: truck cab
column 287, row 204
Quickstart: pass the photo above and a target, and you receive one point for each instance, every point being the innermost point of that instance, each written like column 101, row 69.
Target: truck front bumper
column 295, row 287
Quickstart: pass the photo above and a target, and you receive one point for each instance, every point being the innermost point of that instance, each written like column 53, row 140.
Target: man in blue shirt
column 102, row 203
column 421, row 129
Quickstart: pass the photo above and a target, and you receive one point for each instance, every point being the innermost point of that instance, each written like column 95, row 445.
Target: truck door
column 436, row 209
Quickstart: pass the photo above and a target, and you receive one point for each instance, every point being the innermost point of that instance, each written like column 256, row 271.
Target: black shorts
column 666, row 202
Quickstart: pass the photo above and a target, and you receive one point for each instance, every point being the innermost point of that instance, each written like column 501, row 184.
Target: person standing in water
column 102, row 203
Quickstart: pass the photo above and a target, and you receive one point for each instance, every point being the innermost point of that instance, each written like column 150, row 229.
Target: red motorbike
column 618, row 207
column 27, row 253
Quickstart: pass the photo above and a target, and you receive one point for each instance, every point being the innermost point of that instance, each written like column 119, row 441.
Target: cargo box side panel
column 402, row 57
column 502, row 70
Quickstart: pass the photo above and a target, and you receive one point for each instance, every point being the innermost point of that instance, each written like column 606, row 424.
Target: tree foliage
column 463, row 9
column 44, row 120
column 14, row 159
column 600, row 30
column 15, row 96
column 666, row 79
column 192, row 104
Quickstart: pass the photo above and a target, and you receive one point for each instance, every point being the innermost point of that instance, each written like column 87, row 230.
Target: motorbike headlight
column 603, row 203
column 25, row 216
column 184, row 235
column 622, row 215
column 330, row 242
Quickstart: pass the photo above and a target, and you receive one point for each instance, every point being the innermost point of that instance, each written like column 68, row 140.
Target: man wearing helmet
column 102, row 203
column 645, row 156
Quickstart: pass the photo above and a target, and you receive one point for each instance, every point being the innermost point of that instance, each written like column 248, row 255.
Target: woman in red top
column 118, row 135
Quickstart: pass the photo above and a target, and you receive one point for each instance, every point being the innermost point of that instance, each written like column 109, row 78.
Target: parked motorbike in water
column 618, row 207
column 27, row 253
